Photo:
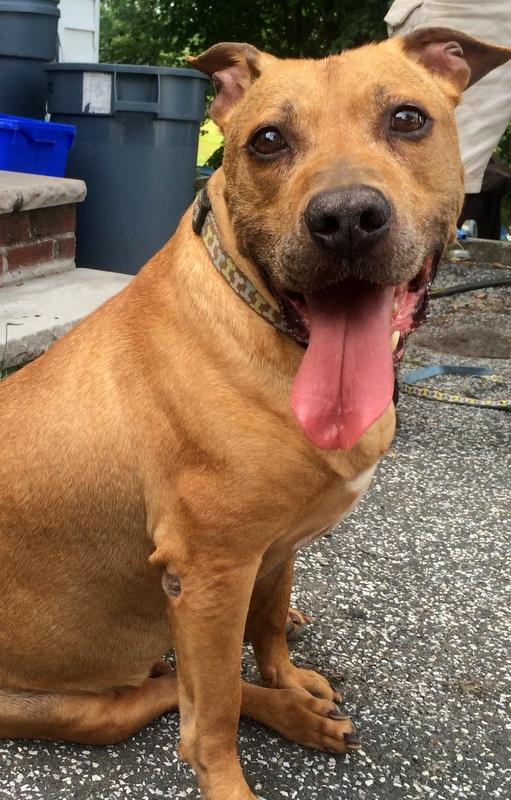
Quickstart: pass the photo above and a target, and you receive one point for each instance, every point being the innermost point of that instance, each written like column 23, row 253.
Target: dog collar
column 204, row 225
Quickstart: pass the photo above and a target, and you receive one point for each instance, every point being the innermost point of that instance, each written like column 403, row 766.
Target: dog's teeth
column 395, row 308
column 394, row 340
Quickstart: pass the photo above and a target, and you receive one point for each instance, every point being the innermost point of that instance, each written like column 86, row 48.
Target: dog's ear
column 459, row 58
column 232, row 67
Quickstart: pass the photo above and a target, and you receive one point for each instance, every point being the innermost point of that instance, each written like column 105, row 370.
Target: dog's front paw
column 315, row 723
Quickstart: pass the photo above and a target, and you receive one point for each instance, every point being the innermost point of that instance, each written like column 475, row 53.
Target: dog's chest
column 324, row 511
column 335, row 512
column 272, row 492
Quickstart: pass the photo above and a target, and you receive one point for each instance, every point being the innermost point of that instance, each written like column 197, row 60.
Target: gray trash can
column 28, row 40
column 136, row 141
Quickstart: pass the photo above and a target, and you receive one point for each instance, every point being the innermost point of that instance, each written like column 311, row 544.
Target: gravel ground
column 410, row 603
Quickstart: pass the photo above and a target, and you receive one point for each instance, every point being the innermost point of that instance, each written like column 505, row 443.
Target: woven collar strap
column 204, row 224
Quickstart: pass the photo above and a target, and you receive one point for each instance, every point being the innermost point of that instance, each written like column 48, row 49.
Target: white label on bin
column 97, row 93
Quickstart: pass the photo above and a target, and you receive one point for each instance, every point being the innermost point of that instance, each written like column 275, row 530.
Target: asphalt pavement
column 410, row 601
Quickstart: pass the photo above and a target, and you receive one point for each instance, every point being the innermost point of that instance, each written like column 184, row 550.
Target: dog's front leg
column 266, row 629
column 208, row 598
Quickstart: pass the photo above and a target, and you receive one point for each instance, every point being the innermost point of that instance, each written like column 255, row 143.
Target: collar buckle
column 201, row 208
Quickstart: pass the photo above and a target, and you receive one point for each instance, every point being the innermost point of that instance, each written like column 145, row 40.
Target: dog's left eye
column 267, row 142
column 408, row 119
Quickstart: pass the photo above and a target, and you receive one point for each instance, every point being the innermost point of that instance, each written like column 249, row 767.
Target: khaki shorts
column 485, row 111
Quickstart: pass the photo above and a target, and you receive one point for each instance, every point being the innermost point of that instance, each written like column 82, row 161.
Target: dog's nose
column 348, row 219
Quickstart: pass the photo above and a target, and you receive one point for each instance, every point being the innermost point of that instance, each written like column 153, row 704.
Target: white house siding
column 79, row 30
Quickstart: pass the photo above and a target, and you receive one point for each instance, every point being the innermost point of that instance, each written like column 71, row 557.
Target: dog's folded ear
column 232, row 67
column 459, row 58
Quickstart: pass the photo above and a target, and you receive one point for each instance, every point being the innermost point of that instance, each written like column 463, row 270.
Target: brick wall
column 36, row 242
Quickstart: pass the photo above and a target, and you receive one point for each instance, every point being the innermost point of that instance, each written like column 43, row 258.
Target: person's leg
column 482, row 119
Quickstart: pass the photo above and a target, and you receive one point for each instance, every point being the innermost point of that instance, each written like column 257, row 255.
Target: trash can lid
column 48, row 7
column 141, row 69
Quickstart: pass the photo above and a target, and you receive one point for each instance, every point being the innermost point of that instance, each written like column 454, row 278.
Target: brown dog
column 151, row 464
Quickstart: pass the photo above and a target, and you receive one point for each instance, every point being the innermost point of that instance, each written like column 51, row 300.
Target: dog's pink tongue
column 346, row 378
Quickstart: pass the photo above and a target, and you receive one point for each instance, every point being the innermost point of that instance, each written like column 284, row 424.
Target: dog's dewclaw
column 296, row 622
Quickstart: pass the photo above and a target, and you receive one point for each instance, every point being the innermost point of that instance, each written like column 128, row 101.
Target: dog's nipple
column 171, row 585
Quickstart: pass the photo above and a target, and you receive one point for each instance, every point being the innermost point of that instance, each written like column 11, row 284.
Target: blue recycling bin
column 30, row 145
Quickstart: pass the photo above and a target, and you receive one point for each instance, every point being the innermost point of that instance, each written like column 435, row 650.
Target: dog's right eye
column 408, row 119
column 267, row 142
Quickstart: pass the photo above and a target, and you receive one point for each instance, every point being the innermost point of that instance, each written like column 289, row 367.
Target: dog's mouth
column 355, row 334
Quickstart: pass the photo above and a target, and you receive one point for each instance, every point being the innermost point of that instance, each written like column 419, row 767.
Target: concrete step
column 485, row 251
column 36, row 313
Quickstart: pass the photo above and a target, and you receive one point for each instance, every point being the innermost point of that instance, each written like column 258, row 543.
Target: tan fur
column 157, row 437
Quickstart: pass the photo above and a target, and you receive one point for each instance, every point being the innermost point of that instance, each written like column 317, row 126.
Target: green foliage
column 504, row 148
column 164, row 31
column 504, row 152
column 216, row 158
column 142, row 32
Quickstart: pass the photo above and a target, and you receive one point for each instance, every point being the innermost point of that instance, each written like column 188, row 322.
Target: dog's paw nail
column 335, row 713
column 351, row 740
